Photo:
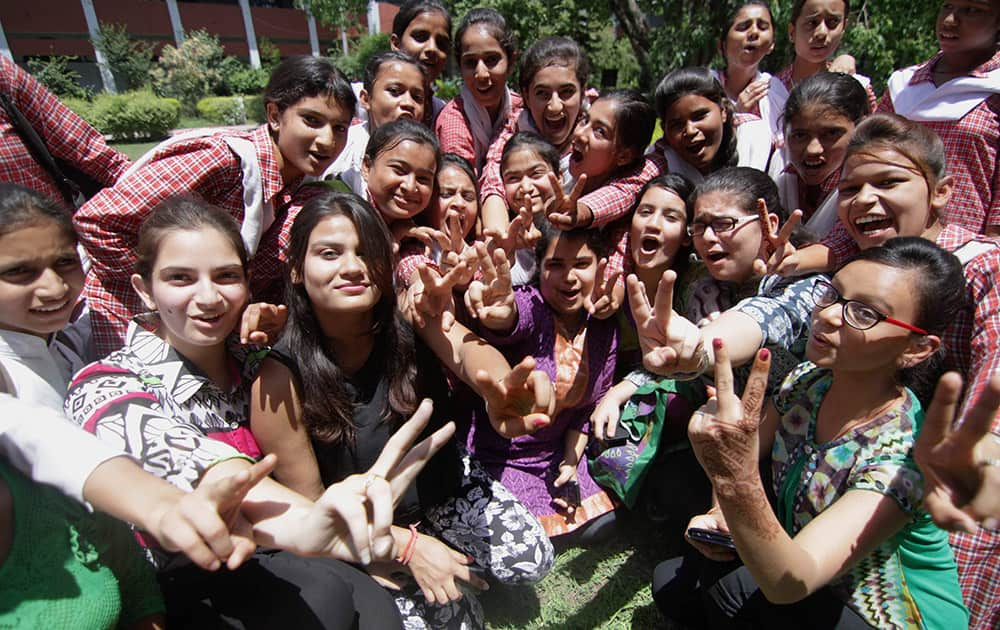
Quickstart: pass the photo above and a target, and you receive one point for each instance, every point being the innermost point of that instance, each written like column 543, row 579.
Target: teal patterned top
column 910, row 580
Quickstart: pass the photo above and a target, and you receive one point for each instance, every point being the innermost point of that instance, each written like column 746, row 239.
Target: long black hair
column 327, row 408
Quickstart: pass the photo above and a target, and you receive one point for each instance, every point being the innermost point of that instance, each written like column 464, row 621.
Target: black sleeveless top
column 369, row 390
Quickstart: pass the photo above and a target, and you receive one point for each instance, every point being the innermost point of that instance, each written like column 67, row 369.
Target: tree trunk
column 633, row 23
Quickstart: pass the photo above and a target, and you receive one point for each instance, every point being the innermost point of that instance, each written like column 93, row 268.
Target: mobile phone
column 620, row 436
column 569, row 492
column 711, row 537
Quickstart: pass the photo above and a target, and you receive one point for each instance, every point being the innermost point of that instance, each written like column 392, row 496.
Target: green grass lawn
column 135, row 150
column 606, row 586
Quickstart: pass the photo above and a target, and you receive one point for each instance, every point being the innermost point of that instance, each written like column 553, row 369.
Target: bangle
column 407, row 554
column 702, row 367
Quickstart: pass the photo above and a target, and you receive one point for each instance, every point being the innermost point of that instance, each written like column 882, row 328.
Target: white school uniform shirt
column 347, row 166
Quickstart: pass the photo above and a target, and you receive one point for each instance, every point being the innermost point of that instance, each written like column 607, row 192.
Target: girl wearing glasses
column 848, row 544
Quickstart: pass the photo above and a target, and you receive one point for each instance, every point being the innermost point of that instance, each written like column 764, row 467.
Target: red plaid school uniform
column 452, row 127
column 66, row 135
column 785, row 76
column 970, row 145
column 108, row 225
column 490, row 182
column 972, row 343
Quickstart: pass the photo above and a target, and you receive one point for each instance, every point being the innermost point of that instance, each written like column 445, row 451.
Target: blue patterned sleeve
column 782, row 308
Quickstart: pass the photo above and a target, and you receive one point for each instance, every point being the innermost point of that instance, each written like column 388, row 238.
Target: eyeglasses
column 857, row 315
column 719, row 225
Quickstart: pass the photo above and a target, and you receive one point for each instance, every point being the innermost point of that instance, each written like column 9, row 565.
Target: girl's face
column 401, row 179
column 199, row 287
column 728, row 255
column 657, row 231
column 426, row 39
column 553, row 99
column 818, row 30
column 568, row 269
column 965, row 26
column 335, row 270
column 750, row 38
column 889, row 291
column 693, row 127
column 397, row 92
column 595, row 149
column 526, row 181
column 310, row 134
column 817, row 141
column 456, row 192
column 883, row 195
column 40, row 278
column 484, row 66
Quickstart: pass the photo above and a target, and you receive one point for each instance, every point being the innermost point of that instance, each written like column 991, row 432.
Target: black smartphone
column 569, row 492
column 711, row 537
column 620, row 436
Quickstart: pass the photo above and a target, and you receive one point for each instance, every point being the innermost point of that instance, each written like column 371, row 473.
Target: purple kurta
column 526, row 464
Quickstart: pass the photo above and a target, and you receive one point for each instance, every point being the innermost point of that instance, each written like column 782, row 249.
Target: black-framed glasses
column 719, row 224
column 857, row 315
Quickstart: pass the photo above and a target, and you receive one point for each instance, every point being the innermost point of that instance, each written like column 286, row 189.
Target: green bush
column 191, row 72
column 135, row 115
column 363, row 49
column 254, row 104
column 239, row 78
column 54, row 73
column 223, row 110
column 129, row 61
column 232, row 110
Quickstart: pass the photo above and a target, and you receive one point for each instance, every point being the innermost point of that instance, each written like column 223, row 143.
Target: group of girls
column 563, row 291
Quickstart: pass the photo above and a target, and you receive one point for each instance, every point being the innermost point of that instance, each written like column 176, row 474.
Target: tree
column 130, row 61
column 336, row 13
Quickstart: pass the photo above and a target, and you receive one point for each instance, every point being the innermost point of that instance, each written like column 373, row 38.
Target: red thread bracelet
column 411, row 545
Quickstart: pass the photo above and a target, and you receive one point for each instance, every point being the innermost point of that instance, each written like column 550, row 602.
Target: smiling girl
column 176, row 399
column 394, row 87
column 334, row 390
column 956, row 93
column 848, row 524
column 251, row 175
column 485, row 51
column 548, row 321
column 820, row 116
column 701, row 133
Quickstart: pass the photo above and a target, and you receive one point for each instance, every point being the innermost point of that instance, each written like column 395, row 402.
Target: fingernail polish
column 717, row 343
column 765, row 354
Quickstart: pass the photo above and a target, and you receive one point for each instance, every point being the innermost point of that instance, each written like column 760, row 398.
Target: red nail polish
column 717, row 343
column 765, row 354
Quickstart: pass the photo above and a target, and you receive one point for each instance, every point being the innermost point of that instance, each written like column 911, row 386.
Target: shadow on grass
column 511, row 606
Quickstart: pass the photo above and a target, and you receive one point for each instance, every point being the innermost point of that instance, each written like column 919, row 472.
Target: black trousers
column 700, row 593
column 275, row 589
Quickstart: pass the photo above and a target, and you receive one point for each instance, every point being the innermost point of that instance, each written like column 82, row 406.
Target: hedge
column 130, row 116
column 231, row 110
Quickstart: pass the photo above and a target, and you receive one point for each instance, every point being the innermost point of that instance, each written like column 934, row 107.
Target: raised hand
column 262, row 323
column 521, row 233
column 352, row 519
column 520, row 403
column 566, row 213
column 491, row 299
column 782, row 257
column 430, row 296
column 608, row 293
column 751, row 95
column 454, row 249
column 723, row 432
column 961, row 466
column 670, row 343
